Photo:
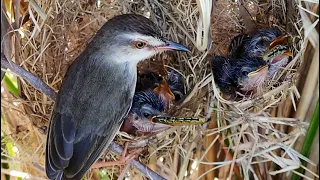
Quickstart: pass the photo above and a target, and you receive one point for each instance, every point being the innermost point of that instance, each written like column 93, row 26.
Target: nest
column 249, row 138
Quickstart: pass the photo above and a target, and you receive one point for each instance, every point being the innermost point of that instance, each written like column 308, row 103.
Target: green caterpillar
column 276, row 50
column 178, row 120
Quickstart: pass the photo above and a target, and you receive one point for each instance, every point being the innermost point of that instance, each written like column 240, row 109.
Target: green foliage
column 11, row 83
column 3, row 146
column 103, row 175
column 308, row 141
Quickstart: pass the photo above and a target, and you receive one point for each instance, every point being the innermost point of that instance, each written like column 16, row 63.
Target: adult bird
column 96, row 93
column 234, row 76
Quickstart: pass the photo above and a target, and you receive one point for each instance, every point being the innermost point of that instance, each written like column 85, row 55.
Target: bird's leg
column 124, row 158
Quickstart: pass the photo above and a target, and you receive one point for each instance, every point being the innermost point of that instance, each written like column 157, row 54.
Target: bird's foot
column 124, row 158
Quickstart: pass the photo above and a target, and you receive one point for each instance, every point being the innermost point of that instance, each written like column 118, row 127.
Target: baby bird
column 234, row 76
column 153, row 96
column 176, row 85
column 277, row 57
column 254, row 46
column 146, row 104
column 173, row 86
column 147, row 79
column 268, row 44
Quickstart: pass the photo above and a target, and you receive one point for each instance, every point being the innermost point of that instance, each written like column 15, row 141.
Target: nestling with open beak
column 277, row 57
column 96, row 94
column 152, row 98
column 238, row 76
column 171, row 89
column 149, row 80
column 270, row 44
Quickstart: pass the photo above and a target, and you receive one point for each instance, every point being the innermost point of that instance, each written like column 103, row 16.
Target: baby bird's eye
column 245, row 73
column 146, row 115
column 140, row 44
column 177, row 95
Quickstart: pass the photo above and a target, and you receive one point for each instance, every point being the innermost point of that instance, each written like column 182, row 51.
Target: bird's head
column 145, row 105
column 260, row 42
column 176, row 84
column 277, row 53
column 133, row 38
column 252, row 73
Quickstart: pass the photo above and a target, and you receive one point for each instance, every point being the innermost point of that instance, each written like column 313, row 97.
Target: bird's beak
column 161, row 114
column 288, row 53
column 173, row 46
column 164, row 89
column 258, row 71
column 280, row 40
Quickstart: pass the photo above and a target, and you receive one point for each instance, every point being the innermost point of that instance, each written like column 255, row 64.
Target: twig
column 43, row 87
column 138, row 165
column 37, row 8
column 20, row 174
column 5, row 38
column 247, row 104
column 35, row 81
column 124, row 171
column 185, row 163
column 234, row 166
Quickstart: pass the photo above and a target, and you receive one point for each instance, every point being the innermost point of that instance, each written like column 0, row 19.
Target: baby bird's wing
column 223, row 70
column 236, row 47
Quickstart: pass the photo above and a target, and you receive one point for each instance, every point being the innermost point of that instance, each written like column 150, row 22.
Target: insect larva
column 178, row 120
column 276, row 50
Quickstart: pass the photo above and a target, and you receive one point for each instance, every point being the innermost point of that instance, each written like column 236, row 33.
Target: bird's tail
column 59, row 176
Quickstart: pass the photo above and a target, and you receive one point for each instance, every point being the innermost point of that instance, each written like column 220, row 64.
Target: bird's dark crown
column 271, row 33
column 134, row 23
column 147, row 97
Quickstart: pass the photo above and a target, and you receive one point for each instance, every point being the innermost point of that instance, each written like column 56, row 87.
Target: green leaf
column 103, row 175
column 4, row 165
column 308, row 141
column 11, row 83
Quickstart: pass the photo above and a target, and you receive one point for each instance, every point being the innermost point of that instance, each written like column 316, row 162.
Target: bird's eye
column 140, row 44
column 146, row 115
column 245, row 73
column 177, row 95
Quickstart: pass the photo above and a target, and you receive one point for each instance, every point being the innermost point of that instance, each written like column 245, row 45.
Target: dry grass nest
column 253, row 137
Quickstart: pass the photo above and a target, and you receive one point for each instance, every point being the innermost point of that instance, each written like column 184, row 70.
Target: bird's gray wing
column 87, row 115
